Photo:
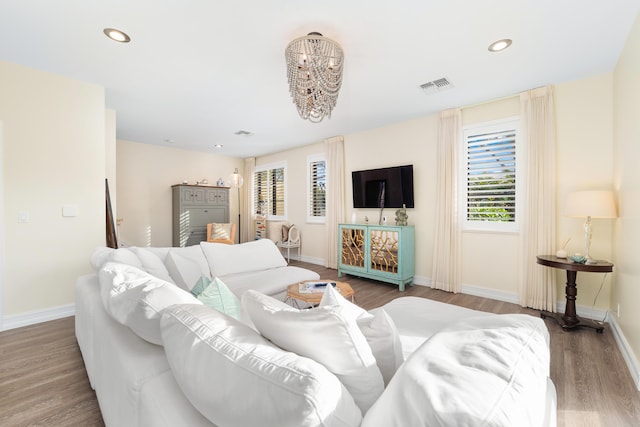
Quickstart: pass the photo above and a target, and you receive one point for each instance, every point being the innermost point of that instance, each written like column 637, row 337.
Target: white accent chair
column 293, row 242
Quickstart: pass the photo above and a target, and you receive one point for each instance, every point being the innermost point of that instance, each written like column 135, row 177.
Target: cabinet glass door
column 384, row 250
column 353, row 247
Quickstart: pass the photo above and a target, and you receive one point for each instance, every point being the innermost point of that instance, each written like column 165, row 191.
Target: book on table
column 314, row 287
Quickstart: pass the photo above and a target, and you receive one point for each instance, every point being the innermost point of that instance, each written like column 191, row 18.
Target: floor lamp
column 235, row 181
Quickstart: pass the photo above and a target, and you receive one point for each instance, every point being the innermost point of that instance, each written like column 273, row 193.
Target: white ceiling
column 197, row 71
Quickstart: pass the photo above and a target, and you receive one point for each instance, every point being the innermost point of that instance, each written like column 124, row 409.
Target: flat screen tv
column 394, row 185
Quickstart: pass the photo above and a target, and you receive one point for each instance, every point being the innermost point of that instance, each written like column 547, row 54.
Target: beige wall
column 53, row 154
column 626, row 111
column 412, row 142
column 312, row 235
column 585, row 162
column 145, row 175
column 110, row 157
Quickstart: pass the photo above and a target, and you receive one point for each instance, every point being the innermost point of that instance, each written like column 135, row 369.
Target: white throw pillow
column 185, row 271
column 102, row 255
column 377, row 327
column 152, row 264
column 323, row 334
column 225, row 260
column 236, row 378
column 136, row 299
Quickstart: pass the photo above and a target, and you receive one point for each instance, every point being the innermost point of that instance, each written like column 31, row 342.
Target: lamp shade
column 594, row 204
column 235, row 179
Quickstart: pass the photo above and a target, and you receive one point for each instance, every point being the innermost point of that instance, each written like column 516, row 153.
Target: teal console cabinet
column 379, row 252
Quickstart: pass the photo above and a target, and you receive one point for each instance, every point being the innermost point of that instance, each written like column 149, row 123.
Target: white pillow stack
column 326, row 335
column 377, row 327
column 236, row 378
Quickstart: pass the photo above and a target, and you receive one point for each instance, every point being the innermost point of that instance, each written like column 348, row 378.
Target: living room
column 59, row 141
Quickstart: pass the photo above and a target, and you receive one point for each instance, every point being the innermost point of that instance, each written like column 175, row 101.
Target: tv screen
column 392, row 185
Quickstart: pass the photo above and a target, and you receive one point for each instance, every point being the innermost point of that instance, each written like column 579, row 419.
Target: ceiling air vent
column 243, row 133
column 437, row 85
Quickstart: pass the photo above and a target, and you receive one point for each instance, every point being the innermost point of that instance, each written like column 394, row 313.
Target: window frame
column 268, row 168
column 311, row 159
column 487, row 127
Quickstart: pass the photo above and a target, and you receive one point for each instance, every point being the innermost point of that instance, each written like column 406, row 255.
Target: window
column 269, row 191
column 491, row 177
column 316, row 188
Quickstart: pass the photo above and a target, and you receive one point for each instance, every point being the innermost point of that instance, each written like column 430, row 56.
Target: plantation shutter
column 260, row 195
column 269, row 192
column 317, row 188
column 491, row 175
column 277, row 191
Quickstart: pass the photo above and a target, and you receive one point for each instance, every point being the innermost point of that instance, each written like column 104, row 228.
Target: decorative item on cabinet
column 401, row 216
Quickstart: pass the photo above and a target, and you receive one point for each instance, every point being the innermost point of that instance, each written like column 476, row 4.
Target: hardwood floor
column 43, row 381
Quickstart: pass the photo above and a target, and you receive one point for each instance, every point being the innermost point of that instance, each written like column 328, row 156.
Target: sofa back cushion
column 480, row 371
column 235, row 377
column 136, row 299
column 324, row 334
column 225, row 260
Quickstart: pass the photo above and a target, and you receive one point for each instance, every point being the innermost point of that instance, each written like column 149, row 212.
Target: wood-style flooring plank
column 43, row 381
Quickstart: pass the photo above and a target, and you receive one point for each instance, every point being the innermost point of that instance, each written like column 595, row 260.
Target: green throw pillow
column 215, row 294
column 200, row 286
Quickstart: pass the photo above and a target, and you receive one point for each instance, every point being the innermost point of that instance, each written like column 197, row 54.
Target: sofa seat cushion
column 269, row 282
column 489, row 371
column 235, row 377
column 324, row 334
column 136, row 299
column 417, row 319
column 226, row 260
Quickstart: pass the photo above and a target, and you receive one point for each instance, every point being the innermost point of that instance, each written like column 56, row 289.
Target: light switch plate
column 23, row 216
column 70, row 210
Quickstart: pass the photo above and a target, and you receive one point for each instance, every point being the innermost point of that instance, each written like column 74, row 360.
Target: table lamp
column 590, row 204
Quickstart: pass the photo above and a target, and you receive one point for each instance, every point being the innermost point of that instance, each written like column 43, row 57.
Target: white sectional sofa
column 157, row 356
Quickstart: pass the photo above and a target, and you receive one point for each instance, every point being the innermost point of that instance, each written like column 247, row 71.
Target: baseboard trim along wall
column 625, row 349
column 39, row 316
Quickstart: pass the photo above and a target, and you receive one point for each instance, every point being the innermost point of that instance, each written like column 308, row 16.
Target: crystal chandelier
column 314, row 70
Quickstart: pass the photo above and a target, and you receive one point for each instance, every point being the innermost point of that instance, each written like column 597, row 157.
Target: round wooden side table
column 313, row 298
column 570, row 319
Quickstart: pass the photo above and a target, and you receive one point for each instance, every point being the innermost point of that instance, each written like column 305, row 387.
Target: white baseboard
column 627, row 353
column 33, row 317
column 310, row 260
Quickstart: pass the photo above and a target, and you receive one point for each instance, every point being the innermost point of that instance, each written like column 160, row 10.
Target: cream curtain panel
column 248, row 230
column 537, row 287
column 446, row 254
column 334, row 149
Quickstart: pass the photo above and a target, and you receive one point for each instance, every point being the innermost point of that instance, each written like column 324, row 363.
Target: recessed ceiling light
column 116, row 35
column 499, row 45
column 218, row 146
column 169, row 141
